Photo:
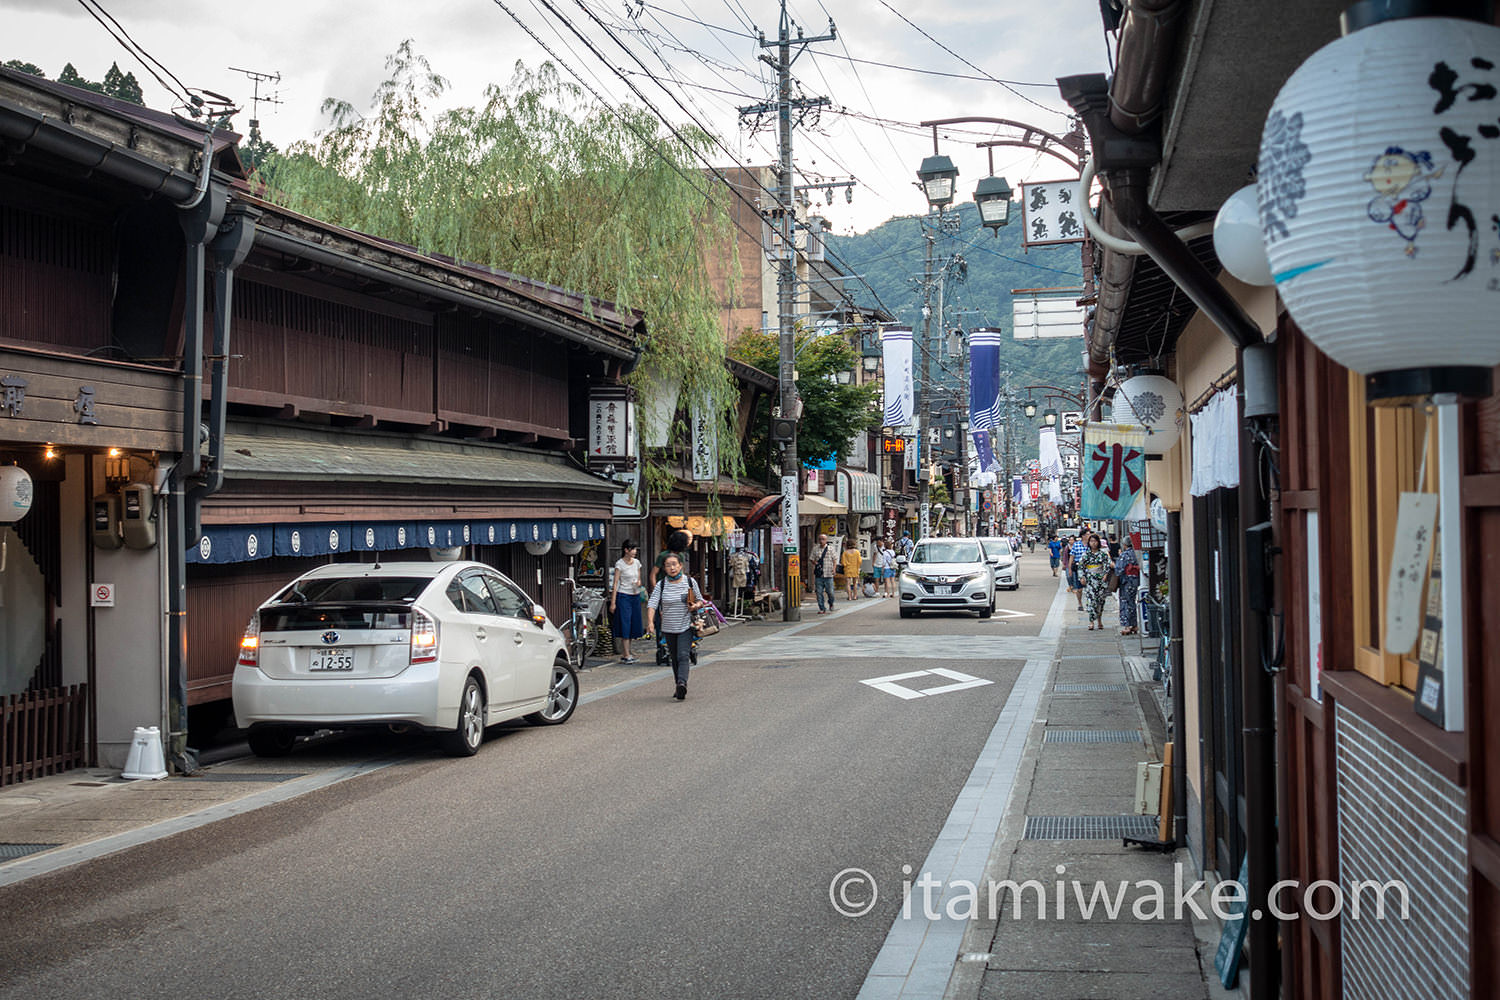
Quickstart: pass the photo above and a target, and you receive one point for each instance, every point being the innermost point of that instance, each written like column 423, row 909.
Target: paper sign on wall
column 1415, row 516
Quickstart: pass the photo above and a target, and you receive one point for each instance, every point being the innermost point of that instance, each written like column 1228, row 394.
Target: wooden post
column 1164, row 824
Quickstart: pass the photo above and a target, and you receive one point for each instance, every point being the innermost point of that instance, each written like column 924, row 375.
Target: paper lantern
column 539, row 548
column 1238, row 241
column 1378, row 184
column 570, row 547
column 1155, row 403
column 15, row 493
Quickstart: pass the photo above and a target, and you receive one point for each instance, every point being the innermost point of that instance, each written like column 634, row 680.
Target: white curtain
column 1216, row 444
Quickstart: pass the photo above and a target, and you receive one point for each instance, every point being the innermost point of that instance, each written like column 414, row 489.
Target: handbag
column 1112, row 581
column 705, row 626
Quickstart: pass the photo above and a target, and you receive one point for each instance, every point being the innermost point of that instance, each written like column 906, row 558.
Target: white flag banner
column 896, row 346
column 1049, row 458
column 705, row 418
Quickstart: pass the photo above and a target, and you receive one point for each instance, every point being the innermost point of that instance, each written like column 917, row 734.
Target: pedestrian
column 674, row 600
column 1114, row 548
column 678, row 544
column 1054, row 552
column 1075, row 572
column 852, row 563
column 887, row 570
column 1094, row 566
column 907, row 545
column 823, row 565
column 625, row 600
column 1128, row 570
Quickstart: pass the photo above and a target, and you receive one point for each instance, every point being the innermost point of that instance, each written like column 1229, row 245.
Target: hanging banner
column 984, row 378
column 1114, row 470
column 985, row 452
column 896, row 345
column 705, row 418
column 1050, row 461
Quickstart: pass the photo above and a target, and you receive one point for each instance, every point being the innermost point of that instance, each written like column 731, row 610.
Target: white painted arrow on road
column 890, row 684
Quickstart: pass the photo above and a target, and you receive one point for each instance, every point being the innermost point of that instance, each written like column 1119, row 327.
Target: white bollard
column 147, row 759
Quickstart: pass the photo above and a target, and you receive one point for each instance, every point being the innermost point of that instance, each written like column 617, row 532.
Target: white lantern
column 1155, row 403
column 1238, row 240
column 570, row 547
column 539, row 548
column 1378, row 187
column 15, row 493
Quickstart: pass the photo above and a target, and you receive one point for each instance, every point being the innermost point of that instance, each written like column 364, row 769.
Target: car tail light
column 424, row 638
column 250, row 643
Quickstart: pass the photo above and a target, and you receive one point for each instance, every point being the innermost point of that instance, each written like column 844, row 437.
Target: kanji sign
column 609, row 423
column 1050, row 213
column 1072, row 421
column 1114, row 471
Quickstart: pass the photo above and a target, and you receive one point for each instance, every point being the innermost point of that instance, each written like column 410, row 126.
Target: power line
column 119, row 34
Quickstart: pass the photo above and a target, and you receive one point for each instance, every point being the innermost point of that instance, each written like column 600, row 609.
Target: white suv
column 450, row 647
column 1004, row 560
column 947, row 574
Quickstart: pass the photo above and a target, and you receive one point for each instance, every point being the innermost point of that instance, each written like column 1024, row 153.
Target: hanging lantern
column 1378, row 184
column 1238, row 241
column 15, row 493
column 571, row 547
column 539, row 549
column 1155, row 403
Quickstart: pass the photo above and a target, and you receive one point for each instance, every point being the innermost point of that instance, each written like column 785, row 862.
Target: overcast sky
column 334, row 48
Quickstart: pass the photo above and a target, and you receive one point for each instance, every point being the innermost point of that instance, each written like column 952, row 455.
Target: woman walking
column 625, row 600
column 1094, row 568
column 886, row 570
column 1128, row 569
column 674, row 599
column 851, row 562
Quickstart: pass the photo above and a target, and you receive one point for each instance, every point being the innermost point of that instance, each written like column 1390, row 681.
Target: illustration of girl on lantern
column 1402, row 181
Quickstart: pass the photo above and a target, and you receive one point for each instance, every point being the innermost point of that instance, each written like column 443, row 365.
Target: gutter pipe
column 54, row 136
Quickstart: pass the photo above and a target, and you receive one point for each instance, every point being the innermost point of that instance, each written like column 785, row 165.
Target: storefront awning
column 245, row 543
column 859, row 491
column 813, row 505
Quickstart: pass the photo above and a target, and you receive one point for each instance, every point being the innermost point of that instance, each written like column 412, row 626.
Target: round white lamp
column 1377, row 187
column 15, row 493
column 1238, row 240
column 1155, row 403
column 539, row 549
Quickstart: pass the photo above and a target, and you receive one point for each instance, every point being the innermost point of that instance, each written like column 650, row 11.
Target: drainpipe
column 1118, row 120
column 1179, row 696
column 200, row 222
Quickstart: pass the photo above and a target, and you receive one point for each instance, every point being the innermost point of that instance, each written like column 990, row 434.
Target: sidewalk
column 1073, row 802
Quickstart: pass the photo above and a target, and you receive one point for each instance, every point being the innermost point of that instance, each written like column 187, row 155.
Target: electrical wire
column 146, row 59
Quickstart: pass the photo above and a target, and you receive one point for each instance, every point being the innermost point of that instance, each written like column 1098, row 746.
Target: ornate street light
column 937, row 175
column 1030, row 409
column 844, row 376
column 992, row 195
column 872, row 364
column 1049, row 418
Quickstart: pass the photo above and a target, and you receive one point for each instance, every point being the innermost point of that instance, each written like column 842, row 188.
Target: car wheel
column 271, row 741
column 908, row 612
column 465, row 739
column 987, row 612
column 562, row 697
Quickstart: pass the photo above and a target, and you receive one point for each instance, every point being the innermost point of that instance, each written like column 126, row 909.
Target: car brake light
column 250, row 643
column 424, row 638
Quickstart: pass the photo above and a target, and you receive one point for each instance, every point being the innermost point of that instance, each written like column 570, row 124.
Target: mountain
column 889, row 259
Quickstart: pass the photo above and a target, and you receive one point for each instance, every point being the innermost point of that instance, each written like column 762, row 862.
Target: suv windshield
column 946, row 552
column 996, row 546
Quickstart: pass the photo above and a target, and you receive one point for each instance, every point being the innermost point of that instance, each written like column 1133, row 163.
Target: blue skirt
column 627, row 619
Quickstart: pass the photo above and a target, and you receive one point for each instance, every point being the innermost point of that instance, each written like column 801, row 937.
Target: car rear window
column 946, row 552
column 996, row 546
column 354, row 589
column 317, row 617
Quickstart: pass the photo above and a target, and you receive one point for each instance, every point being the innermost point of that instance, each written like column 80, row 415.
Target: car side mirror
column 994, row 560
column 538, row 615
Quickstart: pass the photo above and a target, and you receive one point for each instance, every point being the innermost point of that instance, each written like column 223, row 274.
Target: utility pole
column 924, row 468
column 786, row 283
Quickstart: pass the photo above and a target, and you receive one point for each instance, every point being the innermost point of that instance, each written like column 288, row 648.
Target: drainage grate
column 10, row 852
column 1088, row 827
column 250, row 775
column 1077, row 688
column 1092, row 736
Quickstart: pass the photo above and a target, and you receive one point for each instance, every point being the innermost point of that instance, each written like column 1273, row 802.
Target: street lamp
column 844, row 376
column 872, row 364
column 937, row 175
column 992, row 195
column 1030, row 409
column 1049, row 418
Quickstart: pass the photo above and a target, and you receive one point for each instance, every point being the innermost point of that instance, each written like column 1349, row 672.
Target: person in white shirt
column 625, row 600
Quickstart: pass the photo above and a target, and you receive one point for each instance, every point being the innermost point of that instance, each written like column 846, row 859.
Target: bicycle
column 578, row 631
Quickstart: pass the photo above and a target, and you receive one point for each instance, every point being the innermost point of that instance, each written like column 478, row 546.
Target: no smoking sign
column 102, row 595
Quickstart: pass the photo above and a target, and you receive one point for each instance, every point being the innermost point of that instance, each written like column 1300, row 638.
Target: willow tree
column 545, row 183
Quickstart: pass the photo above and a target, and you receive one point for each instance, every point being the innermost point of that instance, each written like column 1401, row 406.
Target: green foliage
column 832, row 414
column 541, row 182
column 70, row 76
column 25, row 67
column 892, row 254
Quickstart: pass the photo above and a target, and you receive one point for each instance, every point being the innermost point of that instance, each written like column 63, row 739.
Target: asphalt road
column 648, row 848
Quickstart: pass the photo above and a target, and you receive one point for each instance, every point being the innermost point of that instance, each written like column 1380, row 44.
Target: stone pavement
column 1044, row 946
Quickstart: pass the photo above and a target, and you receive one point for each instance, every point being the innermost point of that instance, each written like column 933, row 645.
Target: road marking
column 962, row 682
column 1003, row 613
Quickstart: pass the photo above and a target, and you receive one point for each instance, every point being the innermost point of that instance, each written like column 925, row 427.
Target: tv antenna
column 256, row 99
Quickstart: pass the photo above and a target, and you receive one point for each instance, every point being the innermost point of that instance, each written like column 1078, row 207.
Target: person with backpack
column 825, row 562
column 673, row 601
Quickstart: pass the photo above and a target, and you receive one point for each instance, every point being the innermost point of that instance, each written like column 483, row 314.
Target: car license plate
column 332, row 658
column 942, row 590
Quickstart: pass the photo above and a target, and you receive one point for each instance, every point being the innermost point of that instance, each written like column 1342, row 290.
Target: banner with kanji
column 1114, row 470
column 985, row 452
column 895, row 343
column 984, row 379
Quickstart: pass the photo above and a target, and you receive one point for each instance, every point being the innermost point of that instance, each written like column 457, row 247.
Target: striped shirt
column 669, row 597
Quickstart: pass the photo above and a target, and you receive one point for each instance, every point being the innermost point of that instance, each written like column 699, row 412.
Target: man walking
column 1075, row 567
column 825, row 561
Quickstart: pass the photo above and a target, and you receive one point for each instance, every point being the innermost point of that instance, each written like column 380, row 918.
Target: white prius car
column 448, row 647
column 947, row 574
